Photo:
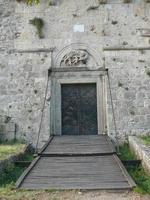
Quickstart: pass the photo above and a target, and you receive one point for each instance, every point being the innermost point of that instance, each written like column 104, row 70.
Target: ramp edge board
column 26, row 172
column 125, row 173
column 46, row 144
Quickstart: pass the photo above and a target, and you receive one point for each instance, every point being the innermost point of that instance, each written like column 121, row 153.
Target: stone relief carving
column 75, row 58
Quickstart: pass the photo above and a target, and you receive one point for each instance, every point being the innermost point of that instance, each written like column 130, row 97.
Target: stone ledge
column 141, row 151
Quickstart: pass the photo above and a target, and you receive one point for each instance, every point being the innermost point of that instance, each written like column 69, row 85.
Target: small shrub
column 120, row 84
column 126, row 1
column 148, row 72
column 132, row 112
column 29, row 2
column 102, row 1
column 39, row 24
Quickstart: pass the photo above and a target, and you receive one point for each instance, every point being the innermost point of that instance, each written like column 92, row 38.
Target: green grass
column 145, row 139
column 125, row 153
column 8, row 179
column 10, row 174
column 141, row 178
column 13, row 172
column 9, row 149
column 10, row 193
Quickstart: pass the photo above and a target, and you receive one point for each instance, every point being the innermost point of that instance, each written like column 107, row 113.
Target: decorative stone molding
column 75, row 58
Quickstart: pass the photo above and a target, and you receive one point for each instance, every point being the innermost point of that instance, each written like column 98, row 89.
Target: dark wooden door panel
column 79, row 109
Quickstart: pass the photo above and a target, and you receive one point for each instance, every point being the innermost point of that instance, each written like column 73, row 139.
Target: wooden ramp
column 77, row 162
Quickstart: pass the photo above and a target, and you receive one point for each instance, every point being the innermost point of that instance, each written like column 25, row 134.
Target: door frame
column 76, row 76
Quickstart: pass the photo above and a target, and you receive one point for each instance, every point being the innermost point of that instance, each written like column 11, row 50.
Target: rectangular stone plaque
column 145, row 32
column 78, row 28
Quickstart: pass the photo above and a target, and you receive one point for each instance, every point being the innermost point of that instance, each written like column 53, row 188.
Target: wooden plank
column 75, row 182
column 69, row 145
column 90, row 186
column 100, row 176
column 73, row 154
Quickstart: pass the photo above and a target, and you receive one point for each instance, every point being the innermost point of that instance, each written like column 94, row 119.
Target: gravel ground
column 70, row 195
column 93, row 195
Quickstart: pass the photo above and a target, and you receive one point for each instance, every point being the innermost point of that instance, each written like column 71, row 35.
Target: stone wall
column 141, row 151
column 117, row 33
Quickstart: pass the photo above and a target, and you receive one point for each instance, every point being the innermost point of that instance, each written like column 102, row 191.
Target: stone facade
column 117, row 36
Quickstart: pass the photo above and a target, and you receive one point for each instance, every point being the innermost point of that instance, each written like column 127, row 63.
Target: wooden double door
column 79, row 109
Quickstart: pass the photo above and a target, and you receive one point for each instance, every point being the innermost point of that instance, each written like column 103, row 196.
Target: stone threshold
column 141, row 151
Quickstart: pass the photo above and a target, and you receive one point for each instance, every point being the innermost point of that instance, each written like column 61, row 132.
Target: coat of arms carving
column 75, row 58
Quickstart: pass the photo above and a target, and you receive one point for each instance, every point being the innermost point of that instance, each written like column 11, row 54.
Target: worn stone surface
column 23, row 67
column 141, row 150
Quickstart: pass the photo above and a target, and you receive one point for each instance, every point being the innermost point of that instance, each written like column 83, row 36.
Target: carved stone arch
column 76, row 55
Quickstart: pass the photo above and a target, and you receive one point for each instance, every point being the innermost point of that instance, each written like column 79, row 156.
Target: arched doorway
column 78, row 105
